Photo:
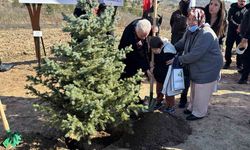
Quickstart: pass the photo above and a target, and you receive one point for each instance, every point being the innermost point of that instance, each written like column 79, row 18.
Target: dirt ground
column 226, row 126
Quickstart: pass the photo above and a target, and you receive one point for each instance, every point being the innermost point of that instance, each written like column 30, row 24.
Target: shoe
column 242, row 82
column 226, row 66
column 158, row 105
column 193, row 117
column 187, row 112
column 169, row 110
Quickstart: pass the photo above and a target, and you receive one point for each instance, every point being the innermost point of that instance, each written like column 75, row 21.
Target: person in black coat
column 245, row 42
column 178, row 23
column 135, row 35
column 235, row 15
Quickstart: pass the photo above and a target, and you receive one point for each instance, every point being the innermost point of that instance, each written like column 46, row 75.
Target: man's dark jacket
column 235, row 15
column 245, row 26
column 138, row 57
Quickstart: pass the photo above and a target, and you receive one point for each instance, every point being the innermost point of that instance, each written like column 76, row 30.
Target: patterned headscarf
column 198, row 15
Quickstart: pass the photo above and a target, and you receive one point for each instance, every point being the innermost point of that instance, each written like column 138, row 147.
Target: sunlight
column 222, row 92
column 228, row 71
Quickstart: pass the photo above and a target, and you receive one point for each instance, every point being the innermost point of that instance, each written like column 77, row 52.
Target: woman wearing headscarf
column 203, row 58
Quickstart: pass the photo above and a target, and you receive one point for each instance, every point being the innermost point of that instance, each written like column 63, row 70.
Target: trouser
column 159, row 95
column 232, row 37
column 159, row 98
column 200, row 97
column 183, row 99
column 246, row 64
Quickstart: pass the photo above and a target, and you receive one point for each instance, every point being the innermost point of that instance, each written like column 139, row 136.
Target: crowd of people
column 197, row 35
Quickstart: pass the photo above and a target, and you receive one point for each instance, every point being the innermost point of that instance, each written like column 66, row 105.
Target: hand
column 152, row 64
column 139, row 44
column 150, row 74
column 170, row 61
column 243, row 40
column 243, row 43
column 152, row 69
column 238, row 29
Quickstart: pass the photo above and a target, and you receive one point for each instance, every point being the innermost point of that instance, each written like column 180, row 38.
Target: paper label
column 37, row 33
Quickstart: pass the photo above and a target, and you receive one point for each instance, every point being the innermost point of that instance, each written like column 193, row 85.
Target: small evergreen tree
column 83, row 91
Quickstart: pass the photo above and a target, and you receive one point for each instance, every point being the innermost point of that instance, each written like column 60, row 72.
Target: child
column 162, row 54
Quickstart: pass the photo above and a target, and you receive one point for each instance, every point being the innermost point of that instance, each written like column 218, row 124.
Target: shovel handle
column 3, row 116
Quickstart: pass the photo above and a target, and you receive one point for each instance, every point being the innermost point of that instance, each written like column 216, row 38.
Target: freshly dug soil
column 154, row 131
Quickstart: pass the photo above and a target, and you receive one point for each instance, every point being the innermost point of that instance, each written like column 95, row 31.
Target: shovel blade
column 12, row 140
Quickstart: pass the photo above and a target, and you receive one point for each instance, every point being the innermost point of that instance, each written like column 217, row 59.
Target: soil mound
column 154, row 131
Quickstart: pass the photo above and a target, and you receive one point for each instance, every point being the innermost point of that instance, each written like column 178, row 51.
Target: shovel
column 152, row 102
column 12, row 139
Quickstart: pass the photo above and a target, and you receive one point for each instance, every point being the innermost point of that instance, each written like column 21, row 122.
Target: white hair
column 143, row 26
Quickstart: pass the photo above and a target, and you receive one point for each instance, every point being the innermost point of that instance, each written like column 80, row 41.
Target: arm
column 142, row 58
column 198, row 49
column 245, row 26
column 172, row 20
column 124, row 42
column 179, row 46
column 230, row 14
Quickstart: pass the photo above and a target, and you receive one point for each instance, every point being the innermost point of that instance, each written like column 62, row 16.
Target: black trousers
column 183, row 99
column 246, row 64
column 232, row 37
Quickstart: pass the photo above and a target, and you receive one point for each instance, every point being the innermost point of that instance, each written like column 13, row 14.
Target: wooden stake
column 152, row 58
column 4, row 119
column 34, row 12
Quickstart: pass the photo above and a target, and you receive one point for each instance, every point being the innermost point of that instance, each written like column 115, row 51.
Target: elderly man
column 135, row 35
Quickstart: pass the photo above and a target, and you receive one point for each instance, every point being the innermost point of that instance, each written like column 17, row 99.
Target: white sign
column 112, row 2
column 49, row 1
column 37, row 33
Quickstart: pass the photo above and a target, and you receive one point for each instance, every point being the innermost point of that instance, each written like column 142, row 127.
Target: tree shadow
column 28, row 62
